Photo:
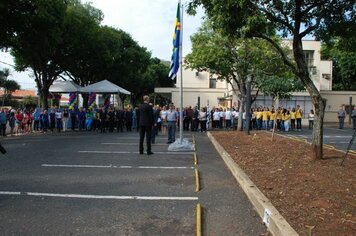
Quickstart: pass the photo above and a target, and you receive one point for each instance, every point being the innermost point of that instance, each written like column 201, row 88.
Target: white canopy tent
column 104, row 86
column 64, row 87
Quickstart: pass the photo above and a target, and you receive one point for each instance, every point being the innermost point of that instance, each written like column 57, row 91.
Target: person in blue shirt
column 172, row 119
column 45, row 121
column 73, row 118
column 81, row 118
column 353, row 115
column 52, row 119
column 36, row 117
column 3, row 120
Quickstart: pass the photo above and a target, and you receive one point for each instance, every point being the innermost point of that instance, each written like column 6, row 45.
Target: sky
column 150, row 23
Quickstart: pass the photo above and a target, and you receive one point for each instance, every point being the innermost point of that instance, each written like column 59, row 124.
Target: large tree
column 36, row 46
column 81, row 47
column 237, row 59
column 293, row 18
column 14, row 15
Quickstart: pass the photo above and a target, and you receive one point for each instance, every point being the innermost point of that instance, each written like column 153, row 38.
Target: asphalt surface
column 88, row 183
column 339, row 138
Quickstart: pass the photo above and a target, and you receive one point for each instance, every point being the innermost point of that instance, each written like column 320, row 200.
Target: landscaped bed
column 317, row 197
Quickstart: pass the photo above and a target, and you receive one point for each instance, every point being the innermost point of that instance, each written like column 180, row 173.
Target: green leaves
column 342, row 51
column 65, row 38
column 6, row 84
column 281, row 87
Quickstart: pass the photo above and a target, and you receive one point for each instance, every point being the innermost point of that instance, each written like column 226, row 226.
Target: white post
column 181, row 75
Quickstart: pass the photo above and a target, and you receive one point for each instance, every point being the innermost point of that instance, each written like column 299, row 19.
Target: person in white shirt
column 235, row 115
column 244, row 120
column 164, row 125
column 202, row 119
column 216, row 118
column 311, row 119
column 59, row 116
column 228, row 116
column 221, row 118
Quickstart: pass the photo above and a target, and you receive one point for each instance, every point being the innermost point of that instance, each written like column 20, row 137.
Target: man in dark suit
column 146, row 123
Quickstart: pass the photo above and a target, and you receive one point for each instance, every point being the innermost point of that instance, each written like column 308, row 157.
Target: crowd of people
column 262, row 118
column 37, row 120
column 112, row 119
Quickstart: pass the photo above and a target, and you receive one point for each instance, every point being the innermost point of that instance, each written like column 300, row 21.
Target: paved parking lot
column 88, row 183
column 339, row 138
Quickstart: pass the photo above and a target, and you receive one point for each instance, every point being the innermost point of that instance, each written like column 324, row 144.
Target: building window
column 309, row 58
column 212, row 83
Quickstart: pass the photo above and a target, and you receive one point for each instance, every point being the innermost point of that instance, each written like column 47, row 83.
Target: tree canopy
column 237, row 59
column 65, row 39
column 342, row 51
column 293, row 18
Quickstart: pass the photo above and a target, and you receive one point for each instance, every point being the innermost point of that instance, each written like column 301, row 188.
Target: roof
column 64, row 87
column 104, row 86
column 21, row 93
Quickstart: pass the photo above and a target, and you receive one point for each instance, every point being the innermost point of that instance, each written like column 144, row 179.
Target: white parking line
column 337, row 136
column 118, row 167
column 163, row 138
column 134, row 144
column 325, row 136
column 165, row 167
column 113, row 197
column 125, row 152
column 338, row 142
column 86, row 166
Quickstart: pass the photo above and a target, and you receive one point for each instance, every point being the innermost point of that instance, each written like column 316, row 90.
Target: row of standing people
column 29, row 120
column 194, row 119
column 261, row 118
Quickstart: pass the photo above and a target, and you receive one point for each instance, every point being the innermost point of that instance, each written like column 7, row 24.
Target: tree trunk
column 317, row 145
column 241, row 110
column 44, row 98
column 318, row 102
column 242, row 89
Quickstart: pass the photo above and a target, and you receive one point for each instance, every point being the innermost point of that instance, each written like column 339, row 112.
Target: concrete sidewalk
column 226, row 208
column 275, row 222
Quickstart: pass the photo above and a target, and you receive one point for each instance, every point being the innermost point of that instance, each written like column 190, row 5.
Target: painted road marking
column 133, row 144
column 125, row 152
column 118, row 167
column 325, row 136
column 337, row 136
column 137, row 138
column 338, row 142
column 113, row 197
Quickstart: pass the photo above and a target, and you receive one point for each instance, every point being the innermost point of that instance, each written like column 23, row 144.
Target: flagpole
column 181, row 75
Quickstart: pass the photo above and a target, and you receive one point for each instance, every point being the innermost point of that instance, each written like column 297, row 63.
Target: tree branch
column 311, row 28
column 281, row 52
column 311, row 6
column 272, row 17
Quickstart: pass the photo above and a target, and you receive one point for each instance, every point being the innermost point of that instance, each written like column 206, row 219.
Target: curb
column 277, row 225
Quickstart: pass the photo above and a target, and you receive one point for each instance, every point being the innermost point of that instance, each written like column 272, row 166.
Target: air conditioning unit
column 327, row 76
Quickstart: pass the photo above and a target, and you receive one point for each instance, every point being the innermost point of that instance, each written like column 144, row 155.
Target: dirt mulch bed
column 313, row 196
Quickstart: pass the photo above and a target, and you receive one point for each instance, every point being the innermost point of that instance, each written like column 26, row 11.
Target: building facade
column 203, row 89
